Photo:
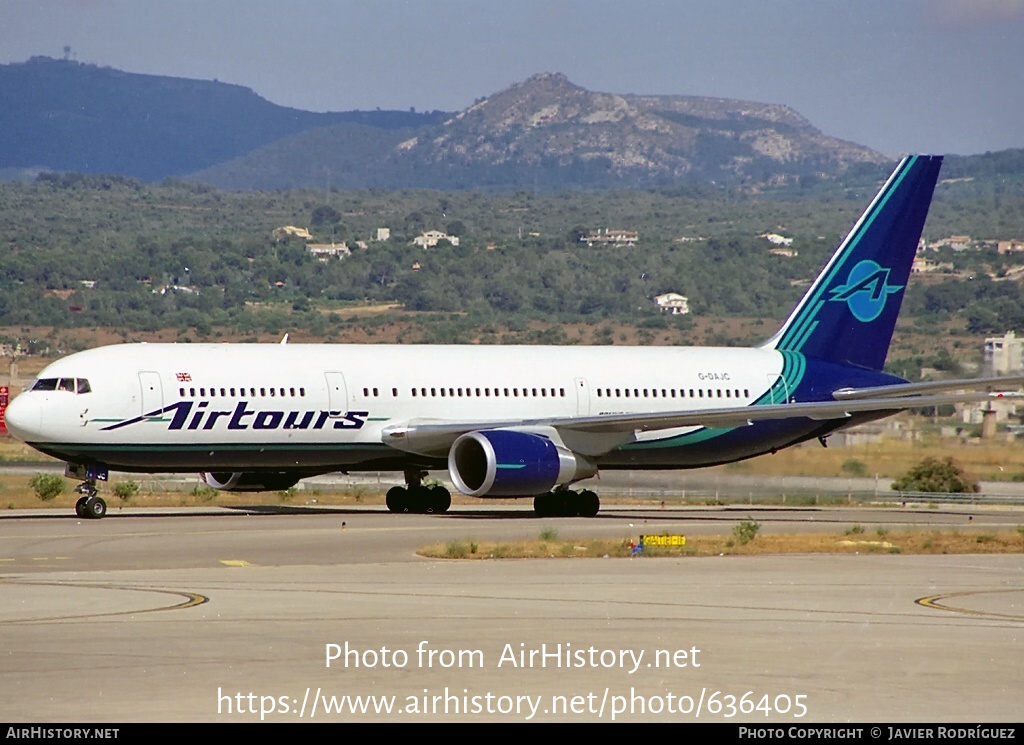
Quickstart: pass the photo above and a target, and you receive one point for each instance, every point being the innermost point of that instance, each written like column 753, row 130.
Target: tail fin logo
column 866, row 290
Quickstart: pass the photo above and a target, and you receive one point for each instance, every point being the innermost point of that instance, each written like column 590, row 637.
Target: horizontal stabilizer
column 1003, row 384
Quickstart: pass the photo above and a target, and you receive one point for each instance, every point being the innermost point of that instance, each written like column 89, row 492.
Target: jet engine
column 250, row 481
column 510, row 463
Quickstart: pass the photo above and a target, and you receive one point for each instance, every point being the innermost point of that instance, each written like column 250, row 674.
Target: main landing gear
column 90, row 505
column 416, row 498
column 564, row 502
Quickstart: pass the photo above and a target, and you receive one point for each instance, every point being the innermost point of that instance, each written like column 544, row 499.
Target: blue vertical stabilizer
column 849, row 313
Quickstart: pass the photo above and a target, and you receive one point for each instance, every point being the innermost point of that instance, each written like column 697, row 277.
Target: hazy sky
column 937, row 76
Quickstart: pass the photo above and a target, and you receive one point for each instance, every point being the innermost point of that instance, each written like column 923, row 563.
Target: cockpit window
column 71, row 385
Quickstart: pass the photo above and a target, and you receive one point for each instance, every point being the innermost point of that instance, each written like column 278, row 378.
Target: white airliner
column 505, row 421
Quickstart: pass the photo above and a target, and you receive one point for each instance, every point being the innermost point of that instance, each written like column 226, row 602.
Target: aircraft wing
column 604, row 432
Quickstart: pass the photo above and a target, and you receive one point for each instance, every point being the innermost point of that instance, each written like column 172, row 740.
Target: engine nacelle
column 507, row 463
column 249, row 481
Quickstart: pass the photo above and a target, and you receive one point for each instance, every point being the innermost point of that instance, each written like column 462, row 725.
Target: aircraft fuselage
column 317, row 408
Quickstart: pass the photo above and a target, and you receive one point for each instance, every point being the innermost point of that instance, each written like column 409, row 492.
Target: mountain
column 543, row 133
column 548, row 122
column 547, row 132
column 66, row 116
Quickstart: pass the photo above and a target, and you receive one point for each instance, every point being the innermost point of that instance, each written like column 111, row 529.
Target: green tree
column 47, row 485
column 940, row 475
column 125, row 490
column 324, row 214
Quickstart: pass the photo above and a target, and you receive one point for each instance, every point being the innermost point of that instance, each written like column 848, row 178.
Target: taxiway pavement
column 231, row 615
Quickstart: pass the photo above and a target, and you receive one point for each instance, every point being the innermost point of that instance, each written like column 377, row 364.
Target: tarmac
column 327, row 614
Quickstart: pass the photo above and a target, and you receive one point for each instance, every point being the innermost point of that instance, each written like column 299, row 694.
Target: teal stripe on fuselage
column 794, row 367
column 806, row 334
column 190, row 448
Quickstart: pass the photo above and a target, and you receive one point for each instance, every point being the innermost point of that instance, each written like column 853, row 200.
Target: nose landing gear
column 90, row 505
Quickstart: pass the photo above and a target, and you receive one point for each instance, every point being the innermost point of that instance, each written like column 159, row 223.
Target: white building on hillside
column 1004, row 354
column 431, row 238
column 674, row 303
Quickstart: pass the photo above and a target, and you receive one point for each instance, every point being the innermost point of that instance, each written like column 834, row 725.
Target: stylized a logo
column 866, row 290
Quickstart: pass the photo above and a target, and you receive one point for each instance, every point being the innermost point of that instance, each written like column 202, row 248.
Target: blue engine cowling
column 250, row 481
column 506, row 463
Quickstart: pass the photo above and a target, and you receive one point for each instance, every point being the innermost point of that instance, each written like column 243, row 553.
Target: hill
column 550, row 134
column 543, row 134
column 61, row 115
column 550, row 124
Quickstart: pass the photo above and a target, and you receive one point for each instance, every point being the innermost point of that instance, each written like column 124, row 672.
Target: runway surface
column 231, row 615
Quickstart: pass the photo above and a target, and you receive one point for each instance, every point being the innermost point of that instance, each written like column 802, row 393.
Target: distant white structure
column 164, row 289
column 291, row 231
column 956, row 242
column 431, row 238
column 383, row 234
column 1004, row 354
column 924, row 265
column 327, row 251
column 778, row 240
column 611, row 236
column 674, row 303
column 1000, row 410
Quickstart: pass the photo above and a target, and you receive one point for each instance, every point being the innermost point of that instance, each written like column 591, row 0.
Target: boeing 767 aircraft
column 504, row 421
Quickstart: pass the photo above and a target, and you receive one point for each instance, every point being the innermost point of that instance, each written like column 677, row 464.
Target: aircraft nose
column 24, row 417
